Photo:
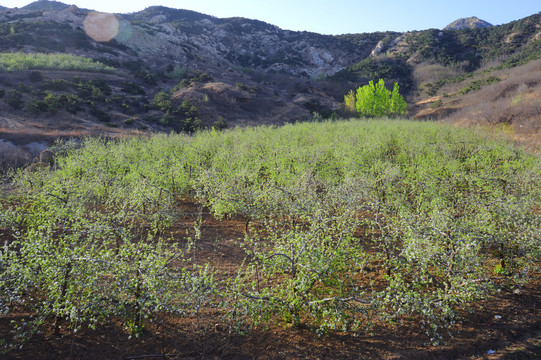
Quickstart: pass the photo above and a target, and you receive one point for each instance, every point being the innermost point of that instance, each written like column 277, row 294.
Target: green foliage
column 191, row 77
column 442, row 47
column 305, row 271
column 162, row 100
column 397, row 103
column 186, row 109
column 129, row 121
column 185, row 116
column 23, row 61
column 318, row 110
column 372, row 69
column 432, row 88
column 83, row 254
column 14, row 99
column 96, row 89
column 422, row 185
column 514, row 40
column 468, row 48
column 350, row 102
column 220, row 124
column 78, row 94
column 436, row 104
column 243, row 87
column 332, row 206
column 132, row 88
column 53, row 103
column 476, row 85
column 188, row 117
column 376, row 100
column 147, row 76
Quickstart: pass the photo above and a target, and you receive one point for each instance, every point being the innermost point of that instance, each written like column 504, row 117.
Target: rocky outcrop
column 378, row 49
column 467, row 23
column 242, row 42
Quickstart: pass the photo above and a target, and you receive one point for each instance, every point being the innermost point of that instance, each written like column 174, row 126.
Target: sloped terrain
column 507, row 98
column 235, row 71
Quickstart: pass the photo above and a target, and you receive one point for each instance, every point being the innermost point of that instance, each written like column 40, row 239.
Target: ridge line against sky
column 333, row 17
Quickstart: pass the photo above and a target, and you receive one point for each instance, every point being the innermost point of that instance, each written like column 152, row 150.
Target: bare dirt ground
column 480, row 335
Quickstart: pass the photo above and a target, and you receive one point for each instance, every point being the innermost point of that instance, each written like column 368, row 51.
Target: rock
column 36, row 167
column 158, row 19
column 379, row 48
column 467, row 23
column 46, row 157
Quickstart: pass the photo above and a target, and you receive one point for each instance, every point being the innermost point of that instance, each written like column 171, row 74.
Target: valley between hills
column 180, row 186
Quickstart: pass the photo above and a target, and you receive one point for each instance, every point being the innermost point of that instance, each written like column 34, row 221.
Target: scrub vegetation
column 348, row 224
column 19, row 61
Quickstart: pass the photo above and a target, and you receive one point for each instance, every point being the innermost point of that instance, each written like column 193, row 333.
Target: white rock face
column 158, row 19
column 206, row 22
column 378, row 49
column 315, row 58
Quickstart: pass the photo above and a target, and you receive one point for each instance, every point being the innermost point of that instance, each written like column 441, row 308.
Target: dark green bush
column 53, row 103
column 220, row 124
column 14, row 99
column 132, row 88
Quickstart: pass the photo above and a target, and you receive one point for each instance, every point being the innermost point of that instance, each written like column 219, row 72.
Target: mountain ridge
column 235, row 70
column 468, row 23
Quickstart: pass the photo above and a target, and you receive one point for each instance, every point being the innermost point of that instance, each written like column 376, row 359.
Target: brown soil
column 516, row 335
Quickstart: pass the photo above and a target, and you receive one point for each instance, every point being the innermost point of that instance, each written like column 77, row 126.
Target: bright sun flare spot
column 101, row 26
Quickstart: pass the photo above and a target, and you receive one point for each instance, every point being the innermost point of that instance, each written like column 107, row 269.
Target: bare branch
column 351, row 298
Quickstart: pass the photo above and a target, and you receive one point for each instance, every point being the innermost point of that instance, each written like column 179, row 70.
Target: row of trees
column 375, row 100
column 348, row 224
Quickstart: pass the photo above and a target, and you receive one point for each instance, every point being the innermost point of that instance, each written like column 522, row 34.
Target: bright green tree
column 398, row 104
column 381, row 98
column 350, row 102
column 162, row 100
column 377, row 100
column 366, row 99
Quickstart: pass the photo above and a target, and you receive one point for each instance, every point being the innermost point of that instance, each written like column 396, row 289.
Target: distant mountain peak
column 46, row 5
column 467, row 23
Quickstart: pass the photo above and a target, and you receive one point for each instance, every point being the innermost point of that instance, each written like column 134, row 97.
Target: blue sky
column 335, row 16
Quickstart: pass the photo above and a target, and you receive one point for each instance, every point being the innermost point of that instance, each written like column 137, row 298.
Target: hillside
column 167, row 69
column 467, row 23
column 146, row 229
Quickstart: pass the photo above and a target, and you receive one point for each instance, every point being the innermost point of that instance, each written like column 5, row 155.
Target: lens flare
column 101, row 27
column 125, row 32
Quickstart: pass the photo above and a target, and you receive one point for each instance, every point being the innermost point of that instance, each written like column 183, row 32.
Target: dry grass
column 429, row 72
column 514, row 104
